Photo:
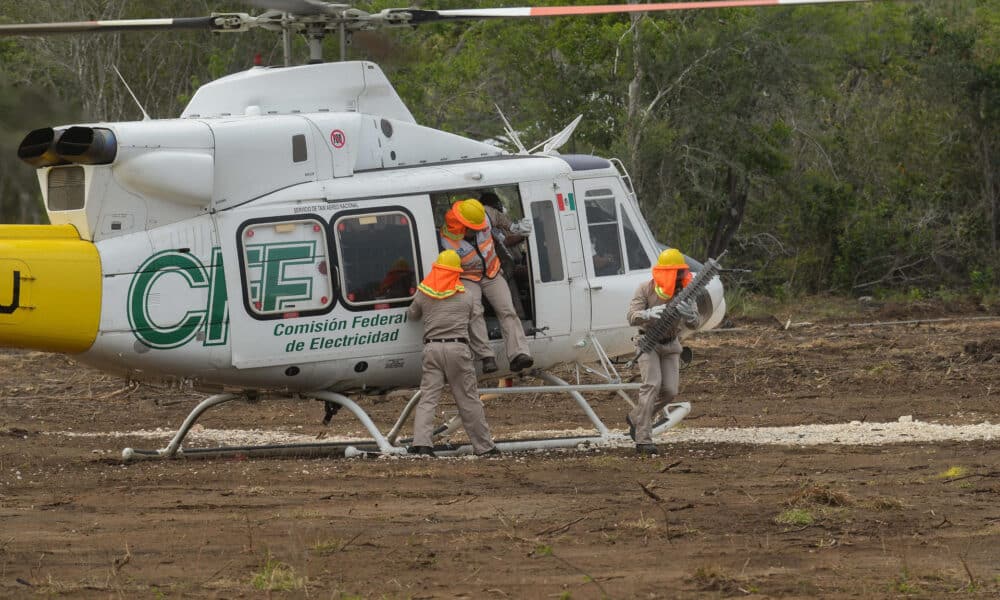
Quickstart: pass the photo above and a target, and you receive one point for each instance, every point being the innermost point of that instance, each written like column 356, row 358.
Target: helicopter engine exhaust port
column 88, row 146
column 50, row 288
column 48, row 147
column 38, row 148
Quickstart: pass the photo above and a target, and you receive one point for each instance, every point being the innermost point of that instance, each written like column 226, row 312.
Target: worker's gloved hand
column 689, row 314
column 653, row 313
column 522, row 226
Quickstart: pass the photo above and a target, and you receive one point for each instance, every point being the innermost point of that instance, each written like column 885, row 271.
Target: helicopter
column 271, row 237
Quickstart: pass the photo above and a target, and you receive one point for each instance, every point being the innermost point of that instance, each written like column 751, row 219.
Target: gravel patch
column 855, row 433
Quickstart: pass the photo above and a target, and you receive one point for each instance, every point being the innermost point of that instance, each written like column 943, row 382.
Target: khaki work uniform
column 450, row 361
column 477, row 285
column 502, row 225
column 660, row 368
column 497, row 292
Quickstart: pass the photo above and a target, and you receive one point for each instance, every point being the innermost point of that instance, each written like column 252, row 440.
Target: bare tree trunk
column 635, row 114
column 991, row 188
column 730, row 220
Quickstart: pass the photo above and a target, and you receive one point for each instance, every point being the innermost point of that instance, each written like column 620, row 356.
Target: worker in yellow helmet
column 446, row 308
column 467, row 230
column 660, row 368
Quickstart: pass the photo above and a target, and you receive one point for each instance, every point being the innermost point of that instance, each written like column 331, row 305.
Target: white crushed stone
column 855, row 433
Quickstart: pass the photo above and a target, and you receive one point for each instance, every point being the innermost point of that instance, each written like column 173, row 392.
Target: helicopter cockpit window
column 602, row 221
column 66, row 188
column 637, row 257
column 287, row 271
column 378, row 258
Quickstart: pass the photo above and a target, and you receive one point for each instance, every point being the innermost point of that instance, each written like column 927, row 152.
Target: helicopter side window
column 637, row 257
column 605, row 245
column 543, row 218
column 300, row 152
column 378, row 257
column 286, row 268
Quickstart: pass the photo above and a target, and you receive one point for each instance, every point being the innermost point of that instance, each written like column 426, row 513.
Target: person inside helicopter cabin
column 467, row 230
column 513, row 235
column 398, row 282
column 660, row 368
column 446, row 309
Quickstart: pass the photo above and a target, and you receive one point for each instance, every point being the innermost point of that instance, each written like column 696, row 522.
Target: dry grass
column 819, row 495
column 276, row 576
column 711, row 579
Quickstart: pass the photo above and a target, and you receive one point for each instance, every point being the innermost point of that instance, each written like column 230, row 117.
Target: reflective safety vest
column 474, row 257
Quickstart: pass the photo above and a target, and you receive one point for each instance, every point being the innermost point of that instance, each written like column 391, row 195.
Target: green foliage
column 903, row 584
column 796, row 517
column 864, row 138
column 984, row 280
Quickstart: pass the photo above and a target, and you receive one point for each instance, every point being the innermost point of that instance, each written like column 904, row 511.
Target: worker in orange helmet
column 467, row 230
column 660, row 367
column 446, row 309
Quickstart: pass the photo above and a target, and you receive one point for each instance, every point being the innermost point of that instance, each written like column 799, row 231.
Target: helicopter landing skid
column 672, row 415
column 173, row 450
column 387, row 445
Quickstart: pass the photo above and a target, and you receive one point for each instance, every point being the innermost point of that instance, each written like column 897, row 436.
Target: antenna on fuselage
column 511, row 133
column 145, row 115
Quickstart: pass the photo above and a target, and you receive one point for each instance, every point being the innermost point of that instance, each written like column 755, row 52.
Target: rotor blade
column 424, row 16
column 121, row 25
column 299, row 7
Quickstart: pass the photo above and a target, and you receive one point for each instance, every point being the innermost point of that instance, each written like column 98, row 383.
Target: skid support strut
column 390, row 444
column 673, row 414
column 173, row 449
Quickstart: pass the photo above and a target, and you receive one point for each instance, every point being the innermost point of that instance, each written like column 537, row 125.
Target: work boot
column 521, row 362
column 631, row 427
column 646, row 449
column 490, row 365
column 493, row 452
column 421, row 451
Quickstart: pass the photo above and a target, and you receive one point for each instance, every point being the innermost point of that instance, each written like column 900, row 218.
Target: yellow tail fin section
column 50, row 288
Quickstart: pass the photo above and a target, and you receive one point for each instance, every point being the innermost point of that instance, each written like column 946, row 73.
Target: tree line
column 851, row 149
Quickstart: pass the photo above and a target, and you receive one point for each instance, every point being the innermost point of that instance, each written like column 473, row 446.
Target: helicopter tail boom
column 50, row 288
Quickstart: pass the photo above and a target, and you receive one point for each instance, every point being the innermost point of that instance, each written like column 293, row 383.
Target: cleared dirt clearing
column 920, row 519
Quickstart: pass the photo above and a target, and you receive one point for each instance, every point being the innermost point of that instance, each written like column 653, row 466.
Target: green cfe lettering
column 214, row 318
column 276, row 289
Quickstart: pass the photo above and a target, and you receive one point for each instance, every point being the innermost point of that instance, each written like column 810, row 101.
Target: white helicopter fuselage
column 272, row 237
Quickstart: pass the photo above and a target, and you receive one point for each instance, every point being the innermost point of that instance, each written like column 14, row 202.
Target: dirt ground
column 699, row 521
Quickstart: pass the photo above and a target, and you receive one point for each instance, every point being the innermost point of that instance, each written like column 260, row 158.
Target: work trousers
column 451, row 362
column 497, row 292
column 660, row 370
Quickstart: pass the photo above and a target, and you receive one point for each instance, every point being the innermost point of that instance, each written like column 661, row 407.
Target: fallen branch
column 921, row 321
column 670, row 466
column 659, row 503
column 348, row 542
column 560, row 528
column 990, row 474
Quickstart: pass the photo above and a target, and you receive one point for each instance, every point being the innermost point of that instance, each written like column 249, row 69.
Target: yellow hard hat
column 470, row 213
column 449, row 258
column 670, row 258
